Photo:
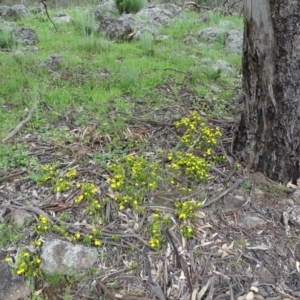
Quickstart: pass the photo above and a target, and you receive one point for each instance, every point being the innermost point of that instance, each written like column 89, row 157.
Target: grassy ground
column 116, row 96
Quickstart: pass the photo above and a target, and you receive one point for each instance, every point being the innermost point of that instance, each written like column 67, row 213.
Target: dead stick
column 35, row 210
column 21, row 124
column 233, row 187
column 7, row 178
column 106, row 291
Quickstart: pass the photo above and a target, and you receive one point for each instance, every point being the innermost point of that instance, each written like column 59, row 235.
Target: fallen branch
column 72, row 227
column 230, row 189
column 11, row 176
column 21, row 124
column 106, row 291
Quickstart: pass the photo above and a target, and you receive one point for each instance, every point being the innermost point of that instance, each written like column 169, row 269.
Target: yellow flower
column 7, row 259
column 20, row 271
column 79, row 198
column 37, row 243
column 37, row 260
column 97, row 243
column 71, row 173
column 77, row 235
column 182, row 216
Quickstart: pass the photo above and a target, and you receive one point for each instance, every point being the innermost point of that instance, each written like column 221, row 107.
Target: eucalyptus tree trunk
column 268, row 138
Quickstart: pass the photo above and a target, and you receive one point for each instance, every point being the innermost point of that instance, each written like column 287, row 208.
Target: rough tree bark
column 268, row 138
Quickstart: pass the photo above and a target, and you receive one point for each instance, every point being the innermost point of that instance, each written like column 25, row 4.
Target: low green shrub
column 129, row 6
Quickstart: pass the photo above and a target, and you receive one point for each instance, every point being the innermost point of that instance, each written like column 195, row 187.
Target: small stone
column 295, row 216
column 251, row 221
column 52, row 63
column 235, row 202
column 60, row 257
column 287, row 202
column 20, row 217
column 296, row 196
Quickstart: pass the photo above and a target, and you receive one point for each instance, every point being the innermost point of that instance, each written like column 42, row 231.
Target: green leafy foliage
column 129, row 6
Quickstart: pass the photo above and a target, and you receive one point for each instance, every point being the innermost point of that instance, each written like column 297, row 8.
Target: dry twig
column 230, row 189
column 21, row 124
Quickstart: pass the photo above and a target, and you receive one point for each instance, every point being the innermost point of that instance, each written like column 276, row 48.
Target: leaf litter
column 222, row 261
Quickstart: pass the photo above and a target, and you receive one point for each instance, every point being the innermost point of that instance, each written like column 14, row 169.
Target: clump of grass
column 93, row 44
column 128, row 80
column 6, row 39
column 84, row 23
column 146, row 42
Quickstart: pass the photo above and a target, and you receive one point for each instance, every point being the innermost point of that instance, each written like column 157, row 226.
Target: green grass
column 132, row 70
column 9, row 235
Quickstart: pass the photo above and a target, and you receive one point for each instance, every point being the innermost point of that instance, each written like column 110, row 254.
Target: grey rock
column 162, row 37
column 22, row 11
column 7, row 26
column 250, row 221
column 227, row 25
column 12, row 287
column 21, row 217
column 106, row 9
column 235, row 202
column 115, row 28
column 174, row 9
column 203, row 18
column 190, row 40
column 37, row 10
column 211, row 34
column 143, row 31
column 143, row 26
column 52, row 63
column 296, row 196
column 223, row 66
column 24, row 36
column 295, row 216
column 60, row 257
column 234, row 42
column 62, row 17
column 160, row 15
column 8, row 13
column 4, row 10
